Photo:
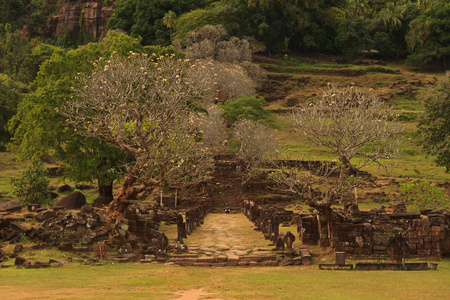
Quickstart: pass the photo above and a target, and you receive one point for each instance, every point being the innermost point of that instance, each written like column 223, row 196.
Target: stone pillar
column 340, row 258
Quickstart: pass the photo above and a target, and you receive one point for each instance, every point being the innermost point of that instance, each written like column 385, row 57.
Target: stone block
column 221, row 258
column 18, row 248
column 206, row 259
column 251, row 258
column 271, row 263
column 416, row 266
column 190, row 260
column 232, row 258
column 297, row 261
column 19, row 261
column 367, row 266
column 340, row 258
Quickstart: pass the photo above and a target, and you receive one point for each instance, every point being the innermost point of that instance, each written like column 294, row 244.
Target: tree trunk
column 126, row 192
column 105, row 192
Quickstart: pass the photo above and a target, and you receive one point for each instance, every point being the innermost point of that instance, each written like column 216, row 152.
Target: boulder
column 10, row 206
column 51, row 195
column 75, row 200
column 18, row 248
column 64, row 188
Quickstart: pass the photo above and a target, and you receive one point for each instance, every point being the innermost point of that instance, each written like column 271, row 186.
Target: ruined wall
column 80, row 17
column 371, row 233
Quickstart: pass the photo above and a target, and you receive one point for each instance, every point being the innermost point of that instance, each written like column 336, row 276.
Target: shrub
column 246, row 107
column 31, row 187
column 424, row 195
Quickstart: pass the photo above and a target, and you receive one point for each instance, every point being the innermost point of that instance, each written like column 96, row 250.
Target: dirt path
column 221, row 232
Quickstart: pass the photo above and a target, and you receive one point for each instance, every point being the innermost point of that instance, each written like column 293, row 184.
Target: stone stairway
column 228, row 241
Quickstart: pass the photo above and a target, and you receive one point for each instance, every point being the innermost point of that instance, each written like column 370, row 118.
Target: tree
column 230, row 60
column 315, row 185
column 169, row 20
column 146, row 109
column 144, row 19
column 435, row 125
column 257, row 143
column 212, row 128
column 246, row 107
column 354, row 36
column 391, row 17
column 429, row 35
column 39, row 130
column 353, row 124
column 11, row 93
column 193, row 20
column 303, row 26
column 14, row 51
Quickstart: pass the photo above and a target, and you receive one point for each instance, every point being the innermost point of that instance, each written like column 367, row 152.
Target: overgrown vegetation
column 424, row 195
column 31, row 187
column 435, row 126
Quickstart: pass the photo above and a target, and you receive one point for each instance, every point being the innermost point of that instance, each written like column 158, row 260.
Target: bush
column 246, row 107
column 31, row 187
column 424, row 195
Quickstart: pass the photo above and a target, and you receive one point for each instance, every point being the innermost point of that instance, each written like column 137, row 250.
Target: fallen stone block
column 18, row 248
column 10, row 206
column 19, row 261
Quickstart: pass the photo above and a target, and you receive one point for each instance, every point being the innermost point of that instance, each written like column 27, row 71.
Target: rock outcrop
column 80, row 17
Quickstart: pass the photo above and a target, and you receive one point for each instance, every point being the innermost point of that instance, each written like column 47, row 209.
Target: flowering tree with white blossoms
column 146, row 107
column 353, row 124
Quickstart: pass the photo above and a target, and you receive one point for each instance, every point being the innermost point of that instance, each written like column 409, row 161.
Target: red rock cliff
column 80, row 16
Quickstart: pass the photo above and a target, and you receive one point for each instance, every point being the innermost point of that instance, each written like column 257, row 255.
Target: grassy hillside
column 296, row 80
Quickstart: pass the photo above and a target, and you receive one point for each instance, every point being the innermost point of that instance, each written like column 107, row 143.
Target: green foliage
column 424, row 195
column 23, row 238
column 11, row 93
column 31, row 187
column 429, row 37
column 194, row 20
column 12, row 10
column 38, row 128
column 435, row 126
column 144, row 19
column 246, row 107
column 14, row 51
column 354, row 37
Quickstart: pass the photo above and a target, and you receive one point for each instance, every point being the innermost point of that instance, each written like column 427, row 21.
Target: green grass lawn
column 139, row 281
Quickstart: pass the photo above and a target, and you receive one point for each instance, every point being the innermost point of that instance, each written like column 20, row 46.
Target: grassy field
column 138, row 281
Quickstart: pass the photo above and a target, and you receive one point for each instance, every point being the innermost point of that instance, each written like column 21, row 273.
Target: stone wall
column 381, row 234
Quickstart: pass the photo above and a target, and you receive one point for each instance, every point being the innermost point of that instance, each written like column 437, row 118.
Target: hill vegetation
column 396, row 50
